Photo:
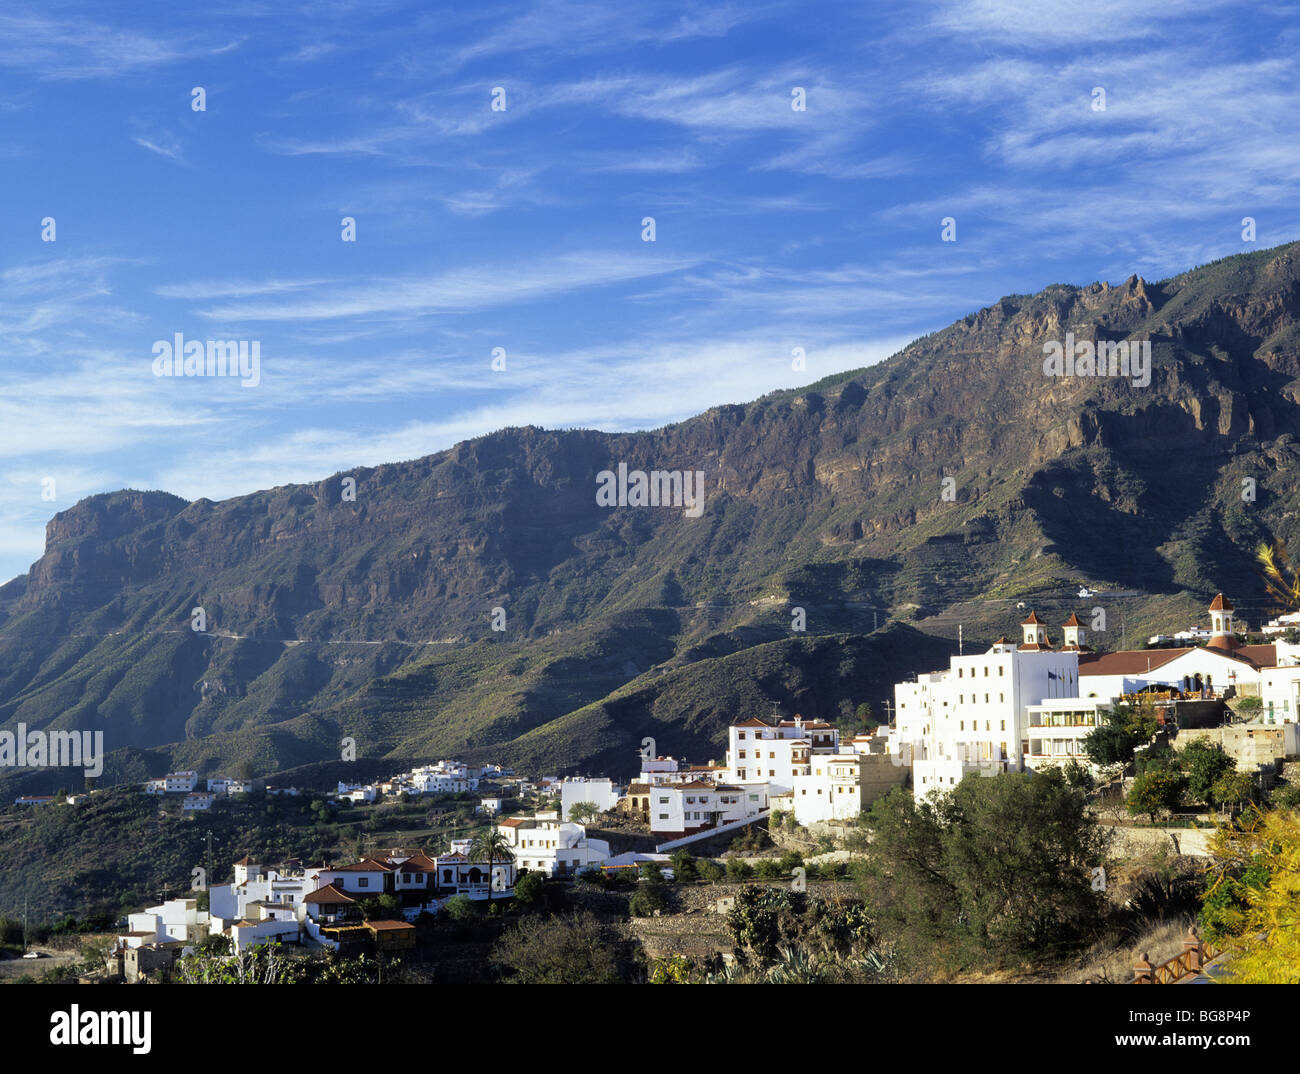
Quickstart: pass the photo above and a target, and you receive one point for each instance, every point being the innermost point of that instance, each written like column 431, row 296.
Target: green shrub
column 710, row 870
column 460, row 908
column 529, row 890
column 647, row 900
column 737, row 869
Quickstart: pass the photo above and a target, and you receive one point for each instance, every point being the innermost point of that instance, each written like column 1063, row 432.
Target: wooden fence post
column 1194, row 949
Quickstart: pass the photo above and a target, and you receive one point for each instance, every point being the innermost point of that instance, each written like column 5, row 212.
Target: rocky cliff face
column 955, row 471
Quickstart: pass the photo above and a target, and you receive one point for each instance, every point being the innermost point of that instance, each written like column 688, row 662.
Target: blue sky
column 522, row 228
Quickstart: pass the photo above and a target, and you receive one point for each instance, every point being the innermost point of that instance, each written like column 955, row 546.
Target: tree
column 709, row 869
column 1156, row 792
column 384, row 907
column 259, row 965
column 1077, row 775
column 583, row 812
column 1204, row 763
column 739, row 869
column 460, row 909
column 1252, row 906
column 647, row 900
column 528, row 889
column 1233, row 788
column 490, row 846
column 570, row 949
column 1000, row 866
column 1124, row 729
column 683, row 866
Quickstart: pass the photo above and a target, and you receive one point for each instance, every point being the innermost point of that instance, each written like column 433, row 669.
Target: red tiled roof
column 1126, row 661
column 418, row 863
column 1033, row 618
column 389, row 926
column 1220, row 603
column 1134, row 661
column 329, row 895
column 513, row 822
column 1072, row 621
column 366, row 865
column 1262, row 656
column 753, row 721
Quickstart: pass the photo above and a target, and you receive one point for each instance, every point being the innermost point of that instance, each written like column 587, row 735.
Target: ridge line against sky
column 522, row 229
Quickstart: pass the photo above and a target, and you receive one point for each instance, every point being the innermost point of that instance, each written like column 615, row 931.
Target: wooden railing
column 1195, row 954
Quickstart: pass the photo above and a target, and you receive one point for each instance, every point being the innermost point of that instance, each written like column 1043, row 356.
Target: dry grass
column 1113, row 964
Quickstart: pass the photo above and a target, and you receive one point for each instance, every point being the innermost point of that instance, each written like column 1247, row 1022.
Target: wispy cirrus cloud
column 468, row 289
column 163, row 146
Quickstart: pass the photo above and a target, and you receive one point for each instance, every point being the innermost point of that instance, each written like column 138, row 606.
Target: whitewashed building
column 974, row 717
column 602, row 793
column 760, row 752
column 678, row 809
column 551, row 846
column 841, row 785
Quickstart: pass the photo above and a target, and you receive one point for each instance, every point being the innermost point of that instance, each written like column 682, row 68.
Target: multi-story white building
column 1206, row 670
column 839, row 786
column 223, row 785
column 974, row 717
column 659, row 770
column 760, row 752
column 602, row 793
column 359, row 795
column 175, row 919
column 1027, row 706
column 1058, row 727
column 678, row 809
column 551, row 846
column 180, row 782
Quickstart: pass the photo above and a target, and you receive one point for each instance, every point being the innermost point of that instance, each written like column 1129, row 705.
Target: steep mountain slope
column 329, row 616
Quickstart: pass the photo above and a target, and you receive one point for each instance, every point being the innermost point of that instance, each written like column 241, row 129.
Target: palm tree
column 1281, row 578
column 490, row 846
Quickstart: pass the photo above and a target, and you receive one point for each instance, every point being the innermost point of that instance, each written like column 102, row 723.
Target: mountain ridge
column 953, row 472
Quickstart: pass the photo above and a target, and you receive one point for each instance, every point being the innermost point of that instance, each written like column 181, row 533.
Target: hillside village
column 1026, row 705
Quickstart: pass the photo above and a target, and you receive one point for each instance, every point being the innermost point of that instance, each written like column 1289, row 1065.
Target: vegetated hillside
column 115, row 852
column 329, row 616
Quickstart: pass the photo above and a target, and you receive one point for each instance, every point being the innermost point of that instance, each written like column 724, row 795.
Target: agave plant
column 797, row 966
